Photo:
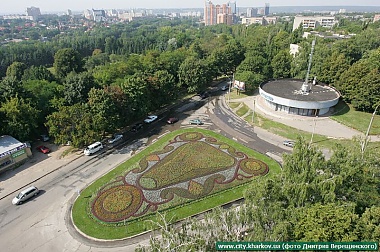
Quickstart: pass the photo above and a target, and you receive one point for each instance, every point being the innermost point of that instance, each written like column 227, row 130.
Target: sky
column 19, row 6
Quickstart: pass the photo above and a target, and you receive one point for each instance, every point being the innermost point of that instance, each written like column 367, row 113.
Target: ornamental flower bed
column 188, row 167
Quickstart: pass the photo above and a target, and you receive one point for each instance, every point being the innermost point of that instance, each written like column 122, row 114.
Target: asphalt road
column 41, row 224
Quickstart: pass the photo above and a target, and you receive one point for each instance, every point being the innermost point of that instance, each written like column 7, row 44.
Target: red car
column 172, row 120
column 43, row 149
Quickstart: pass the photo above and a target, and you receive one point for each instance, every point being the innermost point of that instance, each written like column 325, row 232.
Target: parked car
column 204, row 95
column 137, row 127
column 150, row 118
column 43, row 149
column 45, row 138
column 172, row 120
column 196, row 121
column 93, row 148
column 288, row 143
column 25, row 195
column 224, row 87
column 115, row 138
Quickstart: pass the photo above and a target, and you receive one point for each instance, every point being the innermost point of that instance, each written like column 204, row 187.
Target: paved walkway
column 39, row 165
column 322, row 125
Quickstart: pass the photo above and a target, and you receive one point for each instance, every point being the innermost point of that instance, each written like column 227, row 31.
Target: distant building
column 259, row 20
column 252, row 12
column 98, row 15
column 95, row 15
column 266, row 9
column 25, row 17
column 12, row 152
column 314, row 22
column 294, row 49
column 260, row 11
column 376, row 18
column 34, row 12
column 219, row 14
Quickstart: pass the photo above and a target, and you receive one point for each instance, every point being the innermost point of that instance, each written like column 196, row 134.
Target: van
column 93, row 148
column 25, row 195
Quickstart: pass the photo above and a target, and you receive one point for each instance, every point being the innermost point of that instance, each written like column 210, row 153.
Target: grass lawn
column 176, row 208
column 356, row 119
column 293, row 133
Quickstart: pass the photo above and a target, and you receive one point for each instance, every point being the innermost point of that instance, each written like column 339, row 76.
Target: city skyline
column 19, row 7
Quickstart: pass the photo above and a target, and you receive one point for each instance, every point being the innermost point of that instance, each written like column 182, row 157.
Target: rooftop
column 291, row 89
column 9, row 145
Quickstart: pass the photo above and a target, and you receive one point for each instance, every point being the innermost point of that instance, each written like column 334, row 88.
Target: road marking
column 243, row 140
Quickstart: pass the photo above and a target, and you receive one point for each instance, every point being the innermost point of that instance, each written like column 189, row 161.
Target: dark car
column 224, row 88
column 204, row 95
column 137, row 127
column 172, row 120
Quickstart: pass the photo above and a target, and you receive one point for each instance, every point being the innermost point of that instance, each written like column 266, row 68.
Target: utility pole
column 365, row 142
column 312, row 134
column 253, row 111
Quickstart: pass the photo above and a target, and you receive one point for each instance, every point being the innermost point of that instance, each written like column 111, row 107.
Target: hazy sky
column 19, row 6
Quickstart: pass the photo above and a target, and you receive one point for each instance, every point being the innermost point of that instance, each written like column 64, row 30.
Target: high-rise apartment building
column 252, row 12
column 33, row 12
column 219, row 14
column 266, row 9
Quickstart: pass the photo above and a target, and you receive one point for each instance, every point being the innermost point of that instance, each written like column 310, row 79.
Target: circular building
column 295, row 97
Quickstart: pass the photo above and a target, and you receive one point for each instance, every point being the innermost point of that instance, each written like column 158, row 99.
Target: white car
column 25, row 195
column 289, row 143
column 115, row 138
column 150, row 118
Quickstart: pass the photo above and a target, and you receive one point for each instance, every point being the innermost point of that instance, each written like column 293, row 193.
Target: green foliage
column 281, row 64
column 73, row 124
column 77, row 87
column 65, row 61
column 193, row 75
column 16, row 70
column 331, row 222
column 10, row 87
column 19, row 118
column 37, row 73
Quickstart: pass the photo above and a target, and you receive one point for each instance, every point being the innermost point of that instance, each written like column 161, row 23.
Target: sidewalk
column 320, row 125
column 39, row 165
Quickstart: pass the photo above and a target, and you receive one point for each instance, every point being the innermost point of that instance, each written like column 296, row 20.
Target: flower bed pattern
column 188, row 167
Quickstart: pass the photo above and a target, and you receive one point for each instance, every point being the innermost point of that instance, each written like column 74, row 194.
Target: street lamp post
column 365, row 142
column 253, row 111
column 229, row 89
column 312, row 134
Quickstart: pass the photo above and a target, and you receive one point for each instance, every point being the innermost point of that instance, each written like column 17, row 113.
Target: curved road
column 42, row 224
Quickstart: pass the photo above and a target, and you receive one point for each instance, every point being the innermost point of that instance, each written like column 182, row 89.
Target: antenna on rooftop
column 305, row 86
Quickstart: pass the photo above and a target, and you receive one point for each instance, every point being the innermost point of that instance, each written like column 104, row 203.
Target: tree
column 103, row 110
column 42, row 93
column 136, row 89
column 19, row 118
column 11, row 87
column 77, row 87
column 368, row 227
column 333, row 67
column 97, row 59
column 281, row 64
column 16, row 70
column 251, row 80
column 65, row 61
column 331, row 222
column 255, row 63
column 193, row 75
column 37, row 73
column 73, row 124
